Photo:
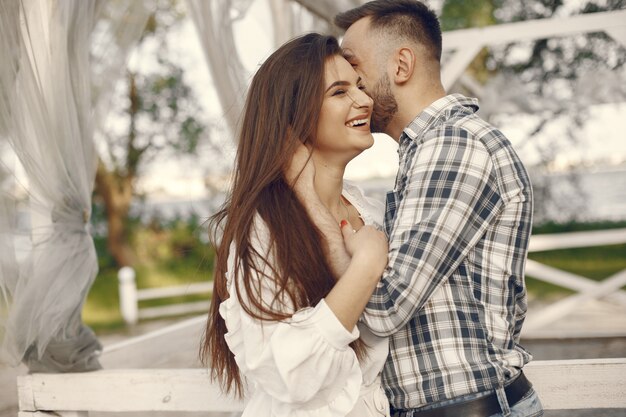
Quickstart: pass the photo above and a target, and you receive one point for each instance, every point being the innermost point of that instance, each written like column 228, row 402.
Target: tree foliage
column 553, row 81
column 158, row 113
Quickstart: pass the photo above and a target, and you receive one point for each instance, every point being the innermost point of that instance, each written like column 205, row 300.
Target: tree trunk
column 116, row 191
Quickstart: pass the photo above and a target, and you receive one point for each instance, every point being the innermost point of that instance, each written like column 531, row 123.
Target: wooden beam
column 466, row 43
column 568, row 280
column 124, row 391
column 328, row 9
column 174, row 291
column 561, row 308
column 569, row 240
column 536, row 29
column 570, row 384
column 579, row 384
column 456, row 65
column 619, row 34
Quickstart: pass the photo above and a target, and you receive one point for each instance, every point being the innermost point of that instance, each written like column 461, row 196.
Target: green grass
column 101, row 311
column 170, row 255
column 573, row 226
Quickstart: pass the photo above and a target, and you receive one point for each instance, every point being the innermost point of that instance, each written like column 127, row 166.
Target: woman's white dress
column 303, row 366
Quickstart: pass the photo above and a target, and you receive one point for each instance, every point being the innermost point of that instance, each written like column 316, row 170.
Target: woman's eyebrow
column 336, row 83
column 342, row 83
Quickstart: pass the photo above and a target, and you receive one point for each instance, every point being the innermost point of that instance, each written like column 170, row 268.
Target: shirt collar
column 433, row 112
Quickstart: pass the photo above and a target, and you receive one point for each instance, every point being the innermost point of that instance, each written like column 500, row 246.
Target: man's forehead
column 360, row 30
column 355, row 38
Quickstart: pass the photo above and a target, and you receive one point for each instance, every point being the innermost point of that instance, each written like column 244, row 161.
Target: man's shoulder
column 458, row 123
column 454, row 118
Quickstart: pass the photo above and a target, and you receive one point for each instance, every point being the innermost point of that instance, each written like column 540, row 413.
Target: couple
column 312, row 305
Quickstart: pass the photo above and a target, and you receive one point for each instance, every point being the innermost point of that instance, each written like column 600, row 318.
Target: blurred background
column 166, row 149
column 168, row 146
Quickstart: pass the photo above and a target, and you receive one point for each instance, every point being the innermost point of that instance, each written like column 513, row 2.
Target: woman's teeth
column 357, row 122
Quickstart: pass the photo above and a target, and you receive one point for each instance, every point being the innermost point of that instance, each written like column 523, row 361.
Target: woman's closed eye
column 340, row 91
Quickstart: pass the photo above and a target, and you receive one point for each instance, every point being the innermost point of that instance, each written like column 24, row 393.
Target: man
column 452, row 298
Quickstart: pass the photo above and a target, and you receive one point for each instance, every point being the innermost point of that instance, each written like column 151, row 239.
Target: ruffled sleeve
column 371, row 211
column 302, row 365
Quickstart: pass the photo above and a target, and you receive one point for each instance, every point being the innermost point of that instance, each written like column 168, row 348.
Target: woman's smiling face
column 343, row 129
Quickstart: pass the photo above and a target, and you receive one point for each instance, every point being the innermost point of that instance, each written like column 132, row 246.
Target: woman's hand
column 368, row 245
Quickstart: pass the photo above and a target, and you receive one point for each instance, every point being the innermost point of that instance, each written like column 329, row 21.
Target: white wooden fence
column 130, row 297
column 587, row 289
column 562, row 385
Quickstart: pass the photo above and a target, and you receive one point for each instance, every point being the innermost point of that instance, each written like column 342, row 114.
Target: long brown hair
column 282, row 110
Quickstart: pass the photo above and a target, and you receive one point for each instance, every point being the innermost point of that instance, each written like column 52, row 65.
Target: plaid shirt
column 453, row 297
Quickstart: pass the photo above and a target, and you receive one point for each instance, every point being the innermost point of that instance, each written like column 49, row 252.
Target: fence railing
column 587, row 289
column 130, row 297
column 562, row 385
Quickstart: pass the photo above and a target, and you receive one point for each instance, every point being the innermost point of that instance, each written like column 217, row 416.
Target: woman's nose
column 360, row 99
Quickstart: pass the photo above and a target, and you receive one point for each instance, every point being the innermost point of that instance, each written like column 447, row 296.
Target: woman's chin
column 369, row 142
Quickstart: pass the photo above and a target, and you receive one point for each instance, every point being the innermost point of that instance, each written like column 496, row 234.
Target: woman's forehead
column 337, row 68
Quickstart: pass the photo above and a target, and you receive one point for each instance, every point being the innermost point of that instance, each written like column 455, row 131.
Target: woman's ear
column 404, row 62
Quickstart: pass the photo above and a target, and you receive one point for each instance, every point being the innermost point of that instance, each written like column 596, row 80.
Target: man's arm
column 451, row 197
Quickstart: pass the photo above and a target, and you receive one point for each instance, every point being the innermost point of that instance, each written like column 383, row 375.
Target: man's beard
column 385, row 105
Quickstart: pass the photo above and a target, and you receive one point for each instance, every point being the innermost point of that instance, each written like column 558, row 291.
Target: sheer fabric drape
column 53, row 52
column 214, row 22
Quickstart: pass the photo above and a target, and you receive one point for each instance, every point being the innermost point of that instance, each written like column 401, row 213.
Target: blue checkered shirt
column 453, row 297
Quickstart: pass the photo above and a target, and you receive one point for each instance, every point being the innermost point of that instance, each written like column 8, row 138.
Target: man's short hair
column 407, row 19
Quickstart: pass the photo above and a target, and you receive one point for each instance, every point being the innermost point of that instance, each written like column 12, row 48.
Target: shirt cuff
column 331, row 328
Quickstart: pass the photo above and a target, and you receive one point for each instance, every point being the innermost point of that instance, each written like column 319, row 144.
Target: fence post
column 128, row 295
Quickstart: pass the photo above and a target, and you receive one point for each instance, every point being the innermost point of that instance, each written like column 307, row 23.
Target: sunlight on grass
column 101, row 310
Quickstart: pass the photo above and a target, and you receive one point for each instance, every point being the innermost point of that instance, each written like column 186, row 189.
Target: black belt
column 479, row 407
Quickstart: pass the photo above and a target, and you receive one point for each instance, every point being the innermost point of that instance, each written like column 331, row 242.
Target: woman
column 280, row 315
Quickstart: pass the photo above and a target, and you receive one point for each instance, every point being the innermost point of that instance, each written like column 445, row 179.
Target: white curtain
column 48, row 113
column 214, row 21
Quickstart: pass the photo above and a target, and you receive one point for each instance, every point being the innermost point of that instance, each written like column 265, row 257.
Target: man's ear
column 404, row 61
